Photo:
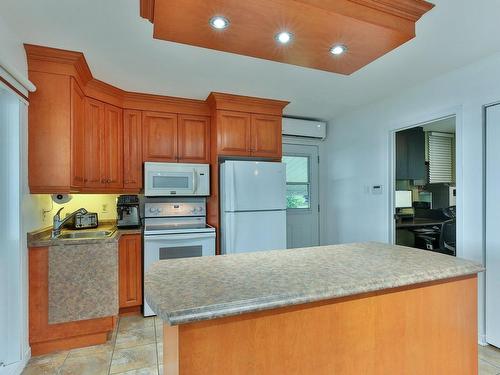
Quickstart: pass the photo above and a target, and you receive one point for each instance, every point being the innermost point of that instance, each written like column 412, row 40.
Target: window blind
column 441, row 158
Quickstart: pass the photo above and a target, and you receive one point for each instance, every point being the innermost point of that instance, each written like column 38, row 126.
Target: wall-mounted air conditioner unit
column 304, row 128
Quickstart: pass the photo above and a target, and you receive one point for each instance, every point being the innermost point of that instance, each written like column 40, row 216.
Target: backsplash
column 103, row 204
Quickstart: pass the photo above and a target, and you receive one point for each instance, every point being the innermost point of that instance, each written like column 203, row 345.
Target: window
column 441, row 157
column 297, row 182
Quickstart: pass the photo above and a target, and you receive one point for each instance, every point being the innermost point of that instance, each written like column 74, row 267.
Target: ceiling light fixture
column 219, row 22
column 284, row 37
column 338, row 49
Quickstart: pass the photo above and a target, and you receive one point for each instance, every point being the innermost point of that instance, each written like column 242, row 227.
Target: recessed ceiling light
column 284, row 37
column 219, row 22
column 338, row 49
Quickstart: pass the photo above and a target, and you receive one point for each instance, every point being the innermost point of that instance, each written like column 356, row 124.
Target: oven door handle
column 183, row 236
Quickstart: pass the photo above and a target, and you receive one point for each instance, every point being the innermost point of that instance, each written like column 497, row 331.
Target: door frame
column 302, row 141
column 423, row 120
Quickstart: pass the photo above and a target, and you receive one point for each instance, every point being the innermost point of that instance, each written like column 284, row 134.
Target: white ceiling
column 120, row 50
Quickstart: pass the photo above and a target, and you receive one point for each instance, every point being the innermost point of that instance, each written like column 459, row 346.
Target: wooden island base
column 424, row 329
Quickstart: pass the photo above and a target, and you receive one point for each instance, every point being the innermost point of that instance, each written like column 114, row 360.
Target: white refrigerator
column 253, row 206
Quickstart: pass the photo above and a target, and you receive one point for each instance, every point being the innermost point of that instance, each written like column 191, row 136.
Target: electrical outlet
column 104, row 208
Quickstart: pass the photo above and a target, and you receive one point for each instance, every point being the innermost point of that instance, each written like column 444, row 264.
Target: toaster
column 85, row 221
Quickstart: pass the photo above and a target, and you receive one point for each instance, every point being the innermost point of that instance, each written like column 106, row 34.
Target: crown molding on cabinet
column 412, row 10
column 239, row 103
column 74, row 64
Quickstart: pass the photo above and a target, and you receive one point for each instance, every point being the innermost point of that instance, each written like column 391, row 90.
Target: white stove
column 175, row 228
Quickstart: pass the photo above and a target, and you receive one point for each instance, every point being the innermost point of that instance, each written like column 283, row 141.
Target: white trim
column 18, row 77
column 18, row 367
column 446, row 113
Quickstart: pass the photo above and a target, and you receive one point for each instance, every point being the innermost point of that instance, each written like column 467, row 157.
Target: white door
column 252, row 186
column 253, row 231
column 10, row 255
column 302, row 193
column 492, row 225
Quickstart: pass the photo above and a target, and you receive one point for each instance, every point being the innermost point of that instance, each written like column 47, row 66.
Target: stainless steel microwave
column 176, row 179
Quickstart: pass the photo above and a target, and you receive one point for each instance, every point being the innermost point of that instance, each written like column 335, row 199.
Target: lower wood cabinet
column 130, row 271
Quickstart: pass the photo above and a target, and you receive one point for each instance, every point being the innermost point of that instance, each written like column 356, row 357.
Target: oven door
column 170, row 183
column 175, row 246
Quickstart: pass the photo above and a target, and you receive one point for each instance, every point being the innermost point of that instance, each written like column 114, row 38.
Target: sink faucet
column 58, row 223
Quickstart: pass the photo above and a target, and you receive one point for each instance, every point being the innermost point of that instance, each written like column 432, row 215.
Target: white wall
column 358, row 156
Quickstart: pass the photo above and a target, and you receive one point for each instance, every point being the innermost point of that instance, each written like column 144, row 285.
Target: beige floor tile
column 132, row 322
column 141, row 371
column 46, row 364
column 91, row 363
column 486, row 368
column 137, row 337
column 490, row 354
column 133, row 358
column 92, row 350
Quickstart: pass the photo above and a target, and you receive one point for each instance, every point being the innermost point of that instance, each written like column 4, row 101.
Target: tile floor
column 136, row 348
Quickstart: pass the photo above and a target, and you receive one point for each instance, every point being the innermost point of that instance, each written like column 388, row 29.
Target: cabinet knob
column 108, row 181
column 103, row 181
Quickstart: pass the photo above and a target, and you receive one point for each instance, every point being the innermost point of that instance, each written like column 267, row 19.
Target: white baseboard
column 18, row 367
column 482, row 340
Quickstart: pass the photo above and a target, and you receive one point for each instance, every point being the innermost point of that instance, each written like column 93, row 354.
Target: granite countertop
column 194, row 289
column 42, row 237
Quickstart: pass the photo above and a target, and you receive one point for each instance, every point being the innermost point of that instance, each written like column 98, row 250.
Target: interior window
column 297, row 182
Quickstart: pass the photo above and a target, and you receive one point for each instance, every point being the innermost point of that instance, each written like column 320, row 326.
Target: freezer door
column 253, row 186
column 253, row 231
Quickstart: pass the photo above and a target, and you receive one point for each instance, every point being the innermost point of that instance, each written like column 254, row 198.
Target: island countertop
column 194, row 289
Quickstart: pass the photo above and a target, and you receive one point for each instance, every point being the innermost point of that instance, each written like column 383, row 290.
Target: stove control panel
column 191, row 207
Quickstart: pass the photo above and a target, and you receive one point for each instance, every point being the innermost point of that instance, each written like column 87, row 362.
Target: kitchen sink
column 85, row 235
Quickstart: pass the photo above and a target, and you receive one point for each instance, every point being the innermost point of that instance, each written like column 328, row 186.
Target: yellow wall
column 103, row 204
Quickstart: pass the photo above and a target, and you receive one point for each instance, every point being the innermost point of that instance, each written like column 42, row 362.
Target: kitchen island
column 366, row 308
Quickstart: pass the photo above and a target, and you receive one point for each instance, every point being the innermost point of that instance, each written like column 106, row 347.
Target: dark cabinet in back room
column 410, row 154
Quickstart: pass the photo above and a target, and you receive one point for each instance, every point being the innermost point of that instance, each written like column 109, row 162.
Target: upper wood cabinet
column 103, row 146
column 112, row 152
column 77, row 135
column 193, row 136
column 130, row 271
column 159, row 134
column 246, row 126
column 245, row 134
column 55, row 129
column 132, row 149
column 266, row 136
column 170, row 137
column 94, row 142
column 233, row 133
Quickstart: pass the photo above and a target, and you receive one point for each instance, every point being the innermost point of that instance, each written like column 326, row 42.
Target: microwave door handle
column 195, row 181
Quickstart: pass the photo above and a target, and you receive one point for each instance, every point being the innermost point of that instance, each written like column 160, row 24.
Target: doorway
column 425, row 186
column 302, row 194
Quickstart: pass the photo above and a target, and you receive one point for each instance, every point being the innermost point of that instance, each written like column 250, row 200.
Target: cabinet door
column 94, row 124
column 130, row 271
column 132, row 149
column 112, row 150
column 233, row 133
column 159, row 136
column 77, row 136
column 266, row 136
column 194, row 139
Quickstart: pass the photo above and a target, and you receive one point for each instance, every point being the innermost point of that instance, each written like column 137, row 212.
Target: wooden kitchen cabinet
column 77, row 135
column 55, row 135
column 94, row 142
column 112, row 152
column 159, row 134
column 266, row 136
column 130, row 271
column 246, row 134
column 193, row 137
column 132, row 149
column 233, row 133
column 103, row 146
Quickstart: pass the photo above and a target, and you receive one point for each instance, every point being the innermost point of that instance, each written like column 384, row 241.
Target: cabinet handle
column 108, row 181
column 103, row 181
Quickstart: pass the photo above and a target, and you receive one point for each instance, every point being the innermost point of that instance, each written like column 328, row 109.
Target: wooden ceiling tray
column 368, row 28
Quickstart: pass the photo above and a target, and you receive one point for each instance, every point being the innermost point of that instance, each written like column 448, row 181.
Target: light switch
column 377, row 189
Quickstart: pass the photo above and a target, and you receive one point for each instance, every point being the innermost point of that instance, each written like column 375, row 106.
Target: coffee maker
column 127, row 208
